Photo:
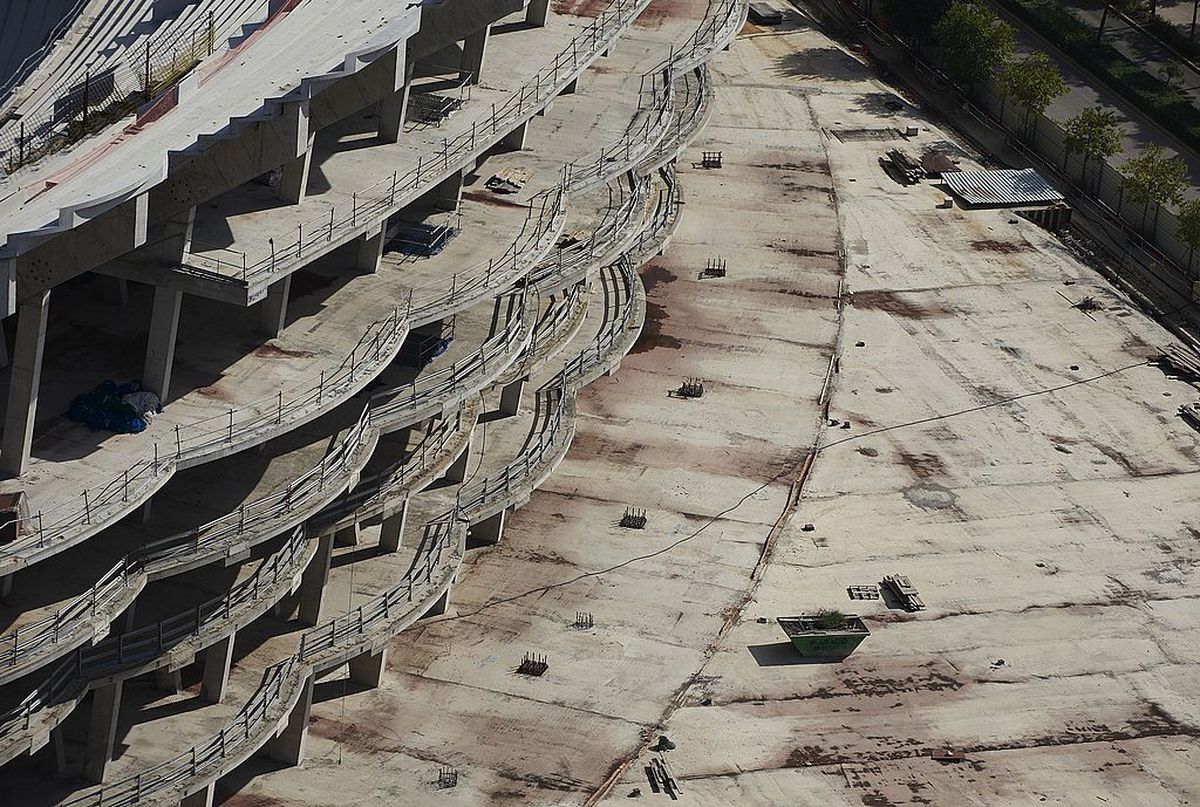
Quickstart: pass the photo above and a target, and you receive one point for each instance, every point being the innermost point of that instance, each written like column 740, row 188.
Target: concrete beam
column 394, row 109
column 288, row 746
column 201, row 798
column 24, row 380
column 312, row 582
column 457, row 472
column 218, row 659
column 537, row 12
column 515, row 140
column 487, row 532
column 293, row 177
column 370, row 252
column 366, row 87
column 391, row 532
column 160, row 348
column 366, row 669
column 272, row 311
column 102, row 730
column 510, row 396
column 474, row 50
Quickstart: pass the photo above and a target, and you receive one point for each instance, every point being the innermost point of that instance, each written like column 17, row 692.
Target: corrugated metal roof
column 1003, row 188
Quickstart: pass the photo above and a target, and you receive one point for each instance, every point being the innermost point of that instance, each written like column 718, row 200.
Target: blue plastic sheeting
column 103, row 409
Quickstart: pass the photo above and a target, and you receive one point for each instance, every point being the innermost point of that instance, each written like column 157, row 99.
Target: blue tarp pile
column 122, row 408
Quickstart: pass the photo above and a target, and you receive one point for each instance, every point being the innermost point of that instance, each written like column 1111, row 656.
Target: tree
column 973, row 42
column 1152, row 177
column 913, row 19
column 1032, row 82
column 1172, row 75
column 1095, row 132
column 1189, row 226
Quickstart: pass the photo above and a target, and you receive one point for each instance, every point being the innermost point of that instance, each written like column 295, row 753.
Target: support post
column 439, row 606
column 487, row 532
column 348, row 536
column 457, row 472
column 116, row 291
column 272, row 311
column 515, row 140
column 474, row 50
column 370, row 251
column 102, row 730
column 444, row 196
column 218, row 659
column 293, row 176
column 366, row 669
column 24, row 380
column 537, row 12
column 571, row 88
column 201, row 798
column 288, row 746
column 510, row 396
column 391, row 532
column 168, row 680
column 177, row 237
column 312, row 582
column 160, row 348
column 394, row 109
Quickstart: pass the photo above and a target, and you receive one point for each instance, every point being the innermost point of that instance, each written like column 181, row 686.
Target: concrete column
column 370, row 251
column 444, row 196
column 177, row 237
column 571, row 88
column 218, row 659
column 536, row 13
column 116, row 290
column 201, row 798
column 288, row 745
column 457, row 472
column 102, row 730
column 312, row 582
column 272, row 311
column 510, row 396
column 391, row 532
column 55, row 759
column 394, row 109
column 6, row 584
column 24, row 380
column 168, row 680
column 3, row 347
column 293, row 177
column 439, row 606
column 487, row 532
column 160, row 348
column 348, row 536
column 515, row 140
column 474, row 49
column 366, row 669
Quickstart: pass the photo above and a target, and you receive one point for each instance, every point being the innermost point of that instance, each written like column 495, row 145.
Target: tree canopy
column 1094, row 132
column 1033, row 82
column 972, row 41
column 1153, row 177
column 913, row 19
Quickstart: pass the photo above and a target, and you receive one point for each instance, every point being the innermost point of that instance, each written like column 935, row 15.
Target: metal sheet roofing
column 1003, row 188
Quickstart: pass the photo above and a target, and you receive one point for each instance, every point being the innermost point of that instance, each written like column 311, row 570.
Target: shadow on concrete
column 783, row 654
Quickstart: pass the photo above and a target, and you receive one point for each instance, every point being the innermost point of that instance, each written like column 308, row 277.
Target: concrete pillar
column 444, row 196
column 366, row 669
column 487, row 532
column 218, row 659
column 102, row 730
column 348, row 536
column 571, row 88
column 370, row 251
column 177, row 237
column 394, row 109
column 391, row 532
column 474, row 49
column 116, row 290
column 293, row 177
column 288, row 745
column 510, row 396
column 24, row 380
column 272, row 311
column 55, row 758
column 312, row 582
column 201, row 798
column 457, row 472
column 536, row 12
column 515, row 140
column 168, row 680
column 6, row 584
column 3, row 347
column 439, row 606
column 160, row 347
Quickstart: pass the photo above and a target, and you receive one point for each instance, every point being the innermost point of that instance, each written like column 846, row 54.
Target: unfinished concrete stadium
column 380, row 429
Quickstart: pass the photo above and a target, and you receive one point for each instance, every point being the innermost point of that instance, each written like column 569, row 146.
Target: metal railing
column 689, row 115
